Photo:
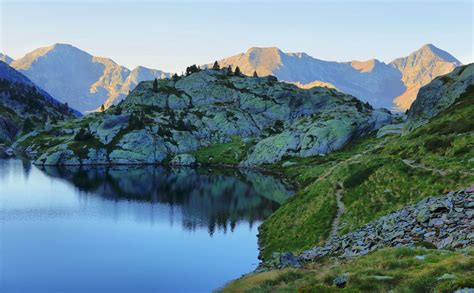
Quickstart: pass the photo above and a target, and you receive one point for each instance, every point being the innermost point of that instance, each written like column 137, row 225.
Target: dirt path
column 340, row 188
column 414, row 165
column 340, row 211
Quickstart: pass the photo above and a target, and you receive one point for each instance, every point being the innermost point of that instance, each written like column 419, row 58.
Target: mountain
column 373, row 81
column 74, row 76
column 141, row 74
column 258, row 119
column 5, row 58
column 24, row 106
column 444, row 91
column 419, row 68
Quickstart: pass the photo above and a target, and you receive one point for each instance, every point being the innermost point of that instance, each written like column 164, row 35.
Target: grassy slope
column 386, row 270
column 375, row 179
column 230, row 153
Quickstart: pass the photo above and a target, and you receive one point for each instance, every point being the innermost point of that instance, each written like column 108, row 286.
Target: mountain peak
column 274, row 50
column 430, row 49
column 419, row 68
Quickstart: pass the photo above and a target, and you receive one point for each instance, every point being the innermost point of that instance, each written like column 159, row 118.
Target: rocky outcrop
column 441, row 93
column 443, row 222
column 211, row 107
column 315, row 135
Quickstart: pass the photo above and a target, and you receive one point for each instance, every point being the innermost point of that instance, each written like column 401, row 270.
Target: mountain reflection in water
column 212, row 198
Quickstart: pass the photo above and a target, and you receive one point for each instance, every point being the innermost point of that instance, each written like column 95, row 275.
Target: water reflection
column 204, row 198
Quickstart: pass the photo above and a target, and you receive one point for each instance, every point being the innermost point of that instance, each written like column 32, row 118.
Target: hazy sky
column 169, row 35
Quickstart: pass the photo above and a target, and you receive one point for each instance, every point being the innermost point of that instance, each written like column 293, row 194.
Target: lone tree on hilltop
column 255, row 73
column 102, row 108
column 216, row 66
column 155, row 85
column 174, row 77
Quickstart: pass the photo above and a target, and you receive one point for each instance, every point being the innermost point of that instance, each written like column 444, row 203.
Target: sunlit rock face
column 212, row 198
column 392, row 85
column 84, row 81
column 440, row 94
column 420, row 68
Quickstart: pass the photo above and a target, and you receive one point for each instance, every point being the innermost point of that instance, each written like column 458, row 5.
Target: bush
column 83, row 135
column 437, row 145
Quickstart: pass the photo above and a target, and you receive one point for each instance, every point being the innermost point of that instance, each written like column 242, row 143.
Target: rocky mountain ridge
column 84, row 81
column 383, row 85
column 101, row 81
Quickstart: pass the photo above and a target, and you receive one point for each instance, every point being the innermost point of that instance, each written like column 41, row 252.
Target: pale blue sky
column 170, row 35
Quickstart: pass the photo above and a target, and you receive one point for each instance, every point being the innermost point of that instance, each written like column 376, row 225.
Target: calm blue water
column 129, row 229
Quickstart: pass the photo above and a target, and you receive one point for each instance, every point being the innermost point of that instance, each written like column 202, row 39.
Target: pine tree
column 102, row 108
column 255, row 74
column 237, row 71
column 192, row 69
column 155, row 85
column 216, row 66
column 174, row 77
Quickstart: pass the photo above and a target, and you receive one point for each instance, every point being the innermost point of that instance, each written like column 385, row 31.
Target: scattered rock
column 341, row 281
column 381, row 278
column 288, row 164
column 446, row 277
column 438, row 222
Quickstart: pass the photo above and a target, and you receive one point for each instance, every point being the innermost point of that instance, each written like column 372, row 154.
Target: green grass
column 230, row 153
column 376, row 181
column 386, row 270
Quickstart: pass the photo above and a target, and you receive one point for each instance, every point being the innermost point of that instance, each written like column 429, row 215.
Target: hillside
column 84, row 81
column 24, row 106
column 352, row 190
column 382, row 85
column 267, row 119
column 5, row 58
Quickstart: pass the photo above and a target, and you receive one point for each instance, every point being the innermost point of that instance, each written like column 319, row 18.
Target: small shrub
column 437, row 145
column 83, row 135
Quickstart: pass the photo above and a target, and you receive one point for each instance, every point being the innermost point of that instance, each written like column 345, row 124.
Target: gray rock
column 341, row 280
column 183, row 160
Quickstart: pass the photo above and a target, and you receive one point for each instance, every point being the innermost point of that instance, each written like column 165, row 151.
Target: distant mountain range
column 383, row 85
column 86, row 82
